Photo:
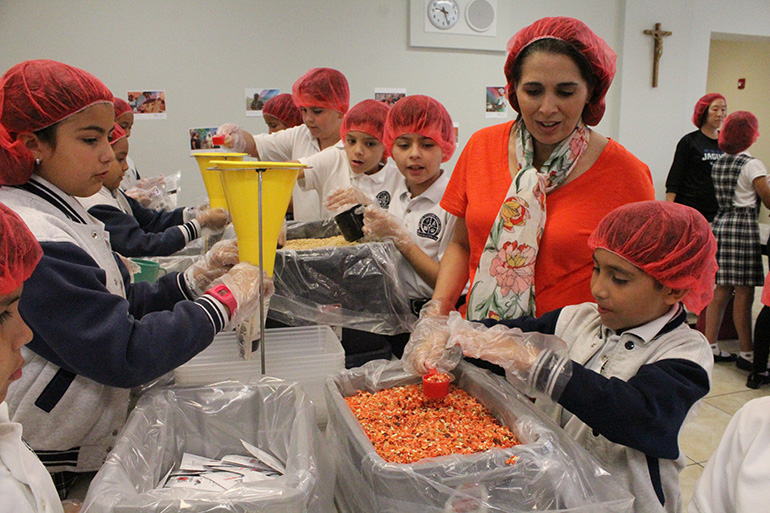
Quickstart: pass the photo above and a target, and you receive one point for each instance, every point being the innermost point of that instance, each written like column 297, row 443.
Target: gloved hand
column 342, row 198
column 219, row 259
column 234, row 138
column 427, row 347
column 243, row 282
column 213, row 219
column 282, row 235
column 385, row 226
column 536, row 363
column 143, row 196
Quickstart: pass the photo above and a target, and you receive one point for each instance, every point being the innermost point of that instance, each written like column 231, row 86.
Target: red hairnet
column 282, row 108
column 121, row 106
column 117, row 133
column 702, row 106
column 597, row 52
column 418, row 114
column 739, row 131
column 671, row 242
column 367, row 116
column 19, row 251
column 322, row 87
column 35, row 95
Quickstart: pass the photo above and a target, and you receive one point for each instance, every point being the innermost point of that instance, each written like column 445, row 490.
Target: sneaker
column 724, row 356
column 756, row 380
column 744, row 364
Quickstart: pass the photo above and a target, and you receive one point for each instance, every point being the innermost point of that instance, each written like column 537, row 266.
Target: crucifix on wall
column 657, row 36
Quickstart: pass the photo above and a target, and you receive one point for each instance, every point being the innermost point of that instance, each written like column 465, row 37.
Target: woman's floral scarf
column 504, row 285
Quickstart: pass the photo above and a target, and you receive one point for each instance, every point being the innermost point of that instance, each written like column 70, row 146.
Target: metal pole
column 261, row 280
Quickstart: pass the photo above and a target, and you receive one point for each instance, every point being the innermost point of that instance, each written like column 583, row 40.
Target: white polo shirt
column 381, row 185
column 429, row 225
column 329, row 170
column 745, row 194
column 293, row 144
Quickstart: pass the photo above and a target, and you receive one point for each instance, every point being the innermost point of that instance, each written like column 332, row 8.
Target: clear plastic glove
column 343, row 198
column 243, row 282
column 213, row 219
column 234, row 138
column 219, row 260
column 71, row 506
column 143, row 196
column 282, row 235
column 536, row 363
column 383, row 225
column 427, row 347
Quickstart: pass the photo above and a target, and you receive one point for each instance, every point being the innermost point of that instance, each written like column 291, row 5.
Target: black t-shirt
column 690, row 174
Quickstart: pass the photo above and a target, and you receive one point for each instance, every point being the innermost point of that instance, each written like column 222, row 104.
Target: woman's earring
column 37, row 162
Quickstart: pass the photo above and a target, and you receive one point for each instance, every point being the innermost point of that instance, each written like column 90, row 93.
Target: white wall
column 204, row 53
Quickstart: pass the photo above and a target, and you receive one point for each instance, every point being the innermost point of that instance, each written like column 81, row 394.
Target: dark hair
column 558, row 47
column 704, row 116
column 48, row 135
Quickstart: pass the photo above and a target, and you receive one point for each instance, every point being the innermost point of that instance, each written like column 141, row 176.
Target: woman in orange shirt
column 521, row 261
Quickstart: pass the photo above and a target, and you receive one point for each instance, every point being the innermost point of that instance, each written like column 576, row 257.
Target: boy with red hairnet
column 280, row 113
column 624, row 372
column 356, row 169
column 323, row 97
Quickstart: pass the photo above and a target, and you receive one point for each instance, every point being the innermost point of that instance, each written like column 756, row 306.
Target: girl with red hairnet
column 356, row 169
column 528, row 193
column 137, row 231
column 323, row 97
column 739, row 180
column 25, row 485
column 95, row 334
column 622, row 373
column 280, row 113
column 124, row 118
column 689, row 179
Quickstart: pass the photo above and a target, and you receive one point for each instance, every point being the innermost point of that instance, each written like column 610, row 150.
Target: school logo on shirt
column 383, row 198
column 430, row 226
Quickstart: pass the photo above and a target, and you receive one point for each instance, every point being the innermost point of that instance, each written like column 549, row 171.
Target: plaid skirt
column 739, row 253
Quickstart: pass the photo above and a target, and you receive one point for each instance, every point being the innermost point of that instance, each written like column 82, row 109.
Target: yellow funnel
column 241, row 184
column 211, row 178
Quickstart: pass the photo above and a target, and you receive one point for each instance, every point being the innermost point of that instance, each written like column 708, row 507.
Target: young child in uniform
column 419, row 134
column 323, row 97
column 622, row 373
column 95, row 334
column 25, row 485
column 137, row 231
column 356, row 169
column 739, row 181
column 124, row 118
column 280, row 113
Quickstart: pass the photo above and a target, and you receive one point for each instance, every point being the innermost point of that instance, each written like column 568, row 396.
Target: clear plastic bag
column 551, row 472
column 354, row 287
column 211, row 421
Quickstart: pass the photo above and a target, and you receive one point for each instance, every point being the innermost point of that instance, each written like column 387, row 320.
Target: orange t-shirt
column 478, row 187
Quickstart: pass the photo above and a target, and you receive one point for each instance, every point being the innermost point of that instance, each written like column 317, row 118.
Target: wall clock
column 443, row 14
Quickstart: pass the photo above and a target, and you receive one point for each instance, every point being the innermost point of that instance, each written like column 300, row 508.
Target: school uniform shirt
column 430, row 227
column 745, row 194
column 381, row 185
column 330, row 170
column 137, row 231
column 293, row 144
column 95, row 334
column 735, row 477
column 25, row 484
column 629, row 395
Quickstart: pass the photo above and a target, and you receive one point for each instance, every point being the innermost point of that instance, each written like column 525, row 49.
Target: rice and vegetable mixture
column 404, row 426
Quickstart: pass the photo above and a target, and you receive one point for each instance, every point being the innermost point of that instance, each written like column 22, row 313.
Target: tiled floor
column 702, row 434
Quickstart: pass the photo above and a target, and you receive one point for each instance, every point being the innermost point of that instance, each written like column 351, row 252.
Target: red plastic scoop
column 435, row 385
column 219, row 140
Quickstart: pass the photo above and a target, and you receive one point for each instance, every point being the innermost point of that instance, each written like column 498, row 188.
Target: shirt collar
column 647, row 332
column 434, row 193
column 70, row 206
